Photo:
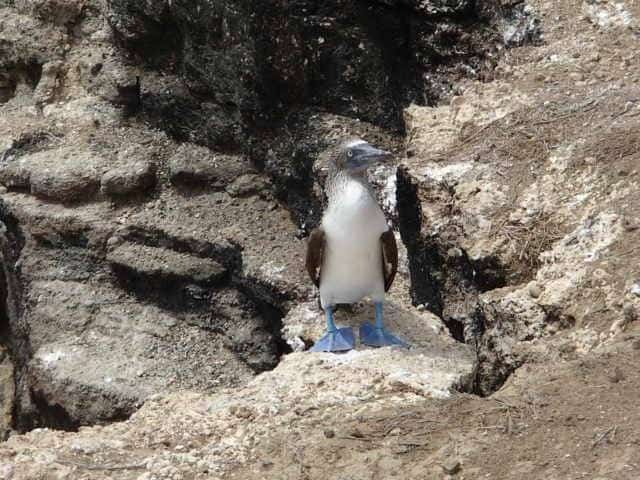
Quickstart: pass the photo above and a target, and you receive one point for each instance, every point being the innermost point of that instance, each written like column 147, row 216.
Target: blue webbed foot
column 338, row 340
column 379, row 337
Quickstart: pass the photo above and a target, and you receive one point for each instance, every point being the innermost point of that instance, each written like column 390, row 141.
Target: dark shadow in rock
column 129, row 97
column 51, row 416
column 225, row 253
column 447, row 282
column 169, row 290
column 150, row 33
column 248, row 313
column 12, row 74
column 31, row 142
column 188, row 119
column 251, row 326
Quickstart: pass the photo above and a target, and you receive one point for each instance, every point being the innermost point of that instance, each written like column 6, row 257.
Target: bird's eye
column 350, row 153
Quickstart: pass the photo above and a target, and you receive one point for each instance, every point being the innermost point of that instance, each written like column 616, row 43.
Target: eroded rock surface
column 161, row 164
column 519, row 180
column 305, row 391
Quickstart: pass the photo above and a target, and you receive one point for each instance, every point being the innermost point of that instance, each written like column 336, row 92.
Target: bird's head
column 355, row 156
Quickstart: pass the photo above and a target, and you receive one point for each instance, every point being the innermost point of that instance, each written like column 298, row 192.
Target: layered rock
column 525, row 191
column 162, row 167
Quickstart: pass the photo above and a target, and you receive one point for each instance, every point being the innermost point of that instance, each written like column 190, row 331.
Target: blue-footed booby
column 353, row 254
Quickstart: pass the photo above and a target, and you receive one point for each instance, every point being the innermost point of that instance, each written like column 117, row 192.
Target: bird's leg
column 379, row 316
column 331, row 323
column 377, row 336
column 336, row 339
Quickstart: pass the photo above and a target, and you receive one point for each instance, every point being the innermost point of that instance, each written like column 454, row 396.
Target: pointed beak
column 364, row 155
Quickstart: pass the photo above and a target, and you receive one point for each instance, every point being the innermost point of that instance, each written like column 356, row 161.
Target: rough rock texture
column 193, row 166
column 305, row 391
column 159, row 162
column 163, row 265
column 130, row 180
column 7, row 394
column 516, row 205
column 528, row 185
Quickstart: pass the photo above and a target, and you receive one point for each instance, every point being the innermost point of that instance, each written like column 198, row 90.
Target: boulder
column 65, row 175
column 135, row 178
column 197, row 166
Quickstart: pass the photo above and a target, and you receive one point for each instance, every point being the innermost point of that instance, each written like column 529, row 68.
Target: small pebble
column 115, row 240
column 451, row 466
column 534, row 290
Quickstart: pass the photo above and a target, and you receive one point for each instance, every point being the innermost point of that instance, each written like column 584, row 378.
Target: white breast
column 352, row 265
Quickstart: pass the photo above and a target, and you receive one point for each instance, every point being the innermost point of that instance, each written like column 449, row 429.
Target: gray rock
column 431, row 351
column 135, row 178
column 321, row 391
column 64, row 175
column 248, row 334
column 248, row 184
column 534, row 290
column 64, row 185
column 629, row 312
column 60, row 12
column 98, row 325
column 521, row 25
column 15, row 175
column 163, row 263
column 7, row 393
column 606, row 14
column 99, row 353
column 49, row 84
column 451, row 466
column 192, row 165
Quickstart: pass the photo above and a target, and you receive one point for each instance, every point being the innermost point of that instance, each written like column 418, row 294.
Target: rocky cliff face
column 157, row 168
column 161, row 168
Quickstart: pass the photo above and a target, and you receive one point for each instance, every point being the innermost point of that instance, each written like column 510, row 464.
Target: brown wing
column 389, row 258
column 315, row 250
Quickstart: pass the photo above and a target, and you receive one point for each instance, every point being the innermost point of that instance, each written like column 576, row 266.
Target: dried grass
column 616, row 145
column 527, row 241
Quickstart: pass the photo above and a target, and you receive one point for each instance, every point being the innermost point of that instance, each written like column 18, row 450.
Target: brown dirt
column 569, row 420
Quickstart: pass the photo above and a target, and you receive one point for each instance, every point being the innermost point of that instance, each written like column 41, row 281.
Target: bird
column 352, row 254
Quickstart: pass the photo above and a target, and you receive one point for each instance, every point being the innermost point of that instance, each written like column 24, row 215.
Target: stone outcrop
column 161, row 164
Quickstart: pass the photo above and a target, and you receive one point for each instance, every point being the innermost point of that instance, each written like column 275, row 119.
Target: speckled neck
column 338, row 179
